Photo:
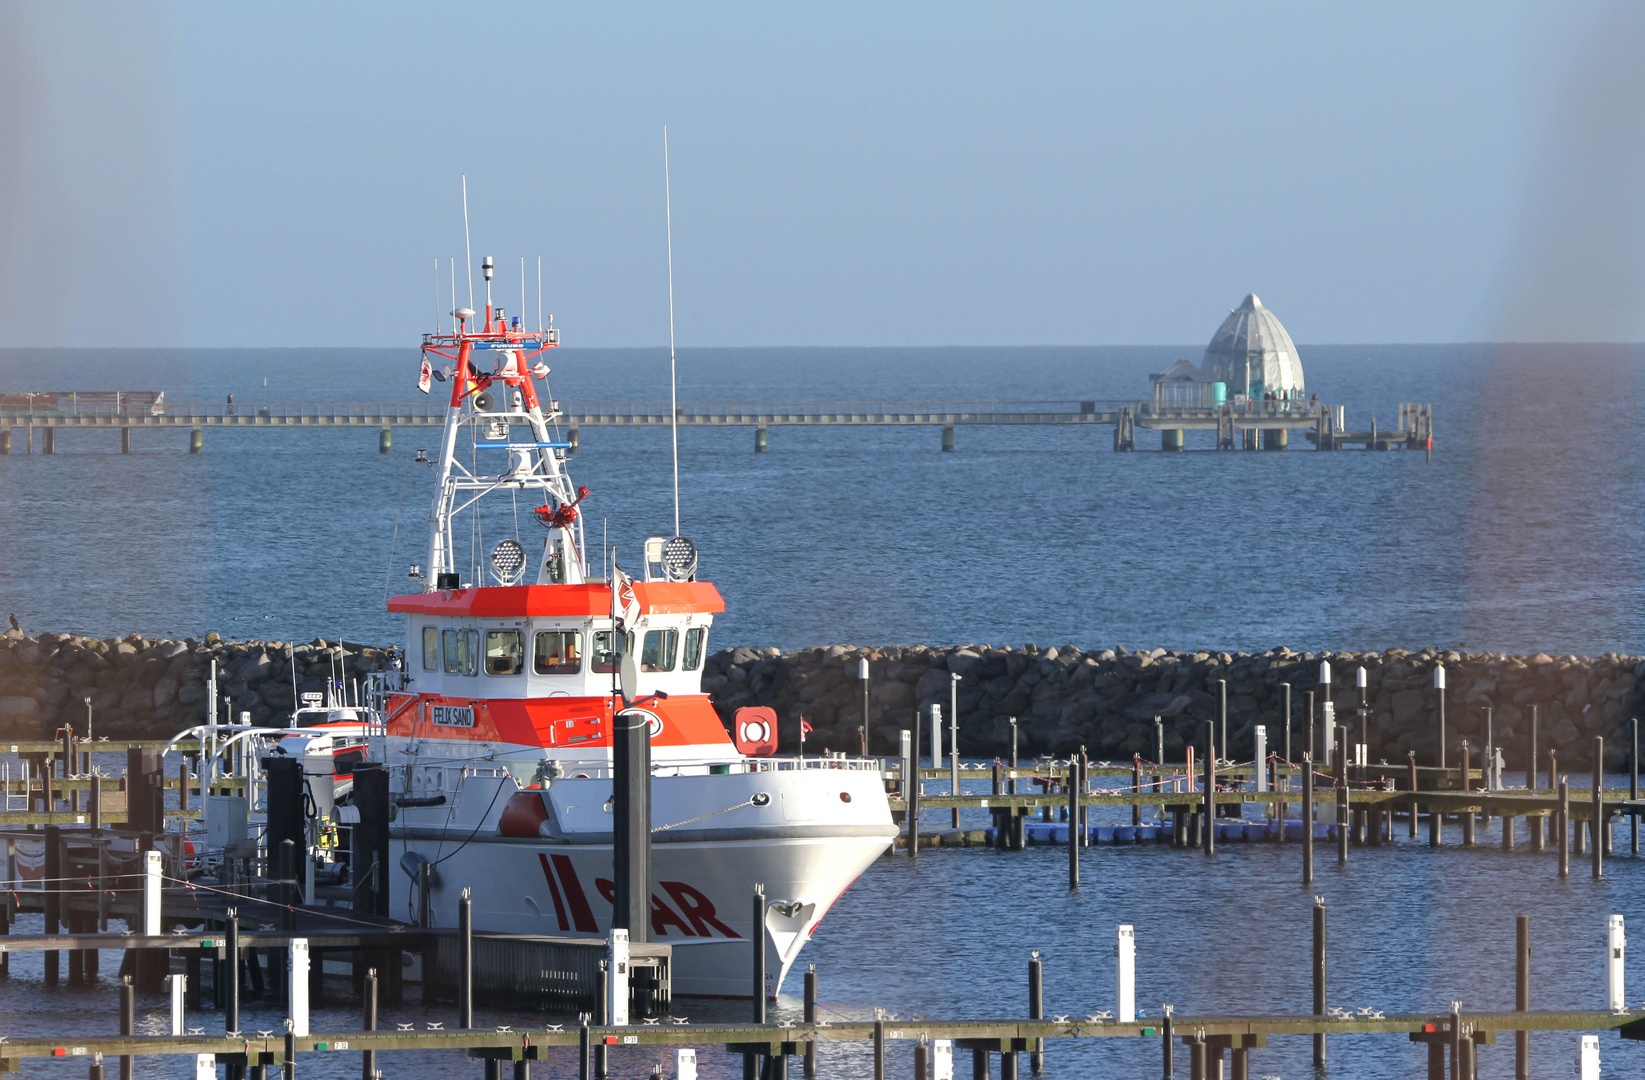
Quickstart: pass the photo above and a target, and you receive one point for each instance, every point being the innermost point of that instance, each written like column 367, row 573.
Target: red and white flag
column 426, row 376
column 625, row 606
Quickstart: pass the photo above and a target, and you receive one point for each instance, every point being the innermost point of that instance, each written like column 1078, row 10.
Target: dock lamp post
column 1439, row 685
column 862, row 673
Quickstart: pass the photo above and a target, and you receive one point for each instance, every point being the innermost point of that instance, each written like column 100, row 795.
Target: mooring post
column 1563, row 824
column 1076, row 828
column 1209, row 828
column 979, row 1064
column 368, row 1058
column 465, row 960
column 1036, row 1010
column 1196, row 1057
column 1466, row 813
column 879, row 1050
column 1169, row 1071
column 1307, row 819
column 911, row 790
column 53, row 888
column 756, row 938
column 810, row 1017
column 1416, row 806
column 1600, row 825
column 1220, row 736
column 1319, row 978
column 585, row 1052
column 1507, row 831
column 1125, row 973
column 1522, row 994
column 1344, row 818
column 231, row 964
column 1633, row 786
column 921, row 1059
column 1439, row 687
column 1136, row 786
column 128, row 1023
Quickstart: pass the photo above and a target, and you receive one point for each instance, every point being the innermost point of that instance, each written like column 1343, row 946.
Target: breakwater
column 1063, row 697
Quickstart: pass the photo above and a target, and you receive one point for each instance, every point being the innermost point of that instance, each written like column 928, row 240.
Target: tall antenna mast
column 522, row 288
column 468, row 251
column 436, row 296
column 539, row 294
column 454, row 294
column 673, row 387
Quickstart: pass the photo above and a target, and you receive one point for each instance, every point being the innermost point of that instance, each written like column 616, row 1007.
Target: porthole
column 845, row 796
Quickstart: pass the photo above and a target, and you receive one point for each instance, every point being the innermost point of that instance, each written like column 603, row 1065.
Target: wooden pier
column 1238, row 425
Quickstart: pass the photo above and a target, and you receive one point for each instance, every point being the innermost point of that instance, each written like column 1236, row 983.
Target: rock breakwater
column 1106, row 699
column 1063, row 697
column 143, row 688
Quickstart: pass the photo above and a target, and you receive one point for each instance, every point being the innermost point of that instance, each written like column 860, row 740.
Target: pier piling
column 1307, row 819
column 1076, row 828
column 1319, row 977
column 1344, row 825
column 128, row 1023
column 465, row 961
column 368, row 1003
column 1598, row 822
column 810, row 1017
column 1522, row 995
column 1563, row 824
column 1036, row 1010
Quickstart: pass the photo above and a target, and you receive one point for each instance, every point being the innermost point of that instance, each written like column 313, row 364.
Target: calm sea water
column 1521, row 535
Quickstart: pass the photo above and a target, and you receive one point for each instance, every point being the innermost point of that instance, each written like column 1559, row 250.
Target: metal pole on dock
column 1287, row 689
column 1319, row 977
column 862, row 674
column 368, row 1058
column 1633, row 786
column 465, row 960
column 128, row 1024
column 1563, row 825
column 1600, row 825
column 1125, row 973
column 954, row 740
column 1036, row 1010
column 1169, row 1072
column 1344, row 824
column 1466, row 814
column 810, row 1018
column 756, row 938
column 1439, row 685
column 1307, row 819
column 1222, row 714
column 1208, row 831
column 912, row 783
column 1416, row 807
column 1522, row 994
column 1076, row 831
column 879, row 1050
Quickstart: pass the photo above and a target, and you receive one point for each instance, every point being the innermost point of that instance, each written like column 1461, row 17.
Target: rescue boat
column 522, row 649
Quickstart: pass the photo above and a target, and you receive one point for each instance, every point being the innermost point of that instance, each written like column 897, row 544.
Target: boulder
column 14, row 709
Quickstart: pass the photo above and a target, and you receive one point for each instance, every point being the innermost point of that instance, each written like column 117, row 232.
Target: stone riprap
column 1106, row 699
column 1063, row 698
column 143, row 688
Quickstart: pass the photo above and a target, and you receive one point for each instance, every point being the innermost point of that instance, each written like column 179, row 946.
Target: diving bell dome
column 1253, row 354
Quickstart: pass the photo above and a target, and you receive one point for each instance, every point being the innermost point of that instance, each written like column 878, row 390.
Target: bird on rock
column 14, row 624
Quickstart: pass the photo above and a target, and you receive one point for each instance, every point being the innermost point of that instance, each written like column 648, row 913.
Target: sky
column 192, row 174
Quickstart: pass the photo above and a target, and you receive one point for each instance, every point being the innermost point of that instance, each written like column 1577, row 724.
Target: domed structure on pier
column 1253, row 354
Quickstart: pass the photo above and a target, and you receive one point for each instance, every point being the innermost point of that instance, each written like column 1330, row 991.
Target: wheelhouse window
column 558, row 652
column 605, row 651
column 505, row 652
column 460, row 648
column 661, row 647
column 431, row 649
column 694, row 648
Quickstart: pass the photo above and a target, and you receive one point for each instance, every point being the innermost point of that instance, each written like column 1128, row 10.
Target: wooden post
column 1522, row 994
column 1076, row 781
column 1036, row 1010
column 1562, row 823
column 1209, row 837
column 1416, row 807
column 1308, row 819
column 1319, row 978
column 810, row 1018
column 1599, row 823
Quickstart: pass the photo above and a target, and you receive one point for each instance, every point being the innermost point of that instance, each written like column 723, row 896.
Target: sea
column 1519, row 534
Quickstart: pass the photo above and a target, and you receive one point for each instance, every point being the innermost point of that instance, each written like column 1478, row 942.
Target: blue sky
column 844, row 174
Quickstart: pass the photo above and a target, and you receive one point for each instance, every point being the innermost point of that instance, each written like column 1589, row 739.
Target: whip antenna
column 468, row 251
column 673, row 386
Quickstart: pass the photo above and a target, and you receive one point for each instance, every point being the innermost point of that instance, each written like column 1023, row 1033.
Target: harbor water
column 1521, row 535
